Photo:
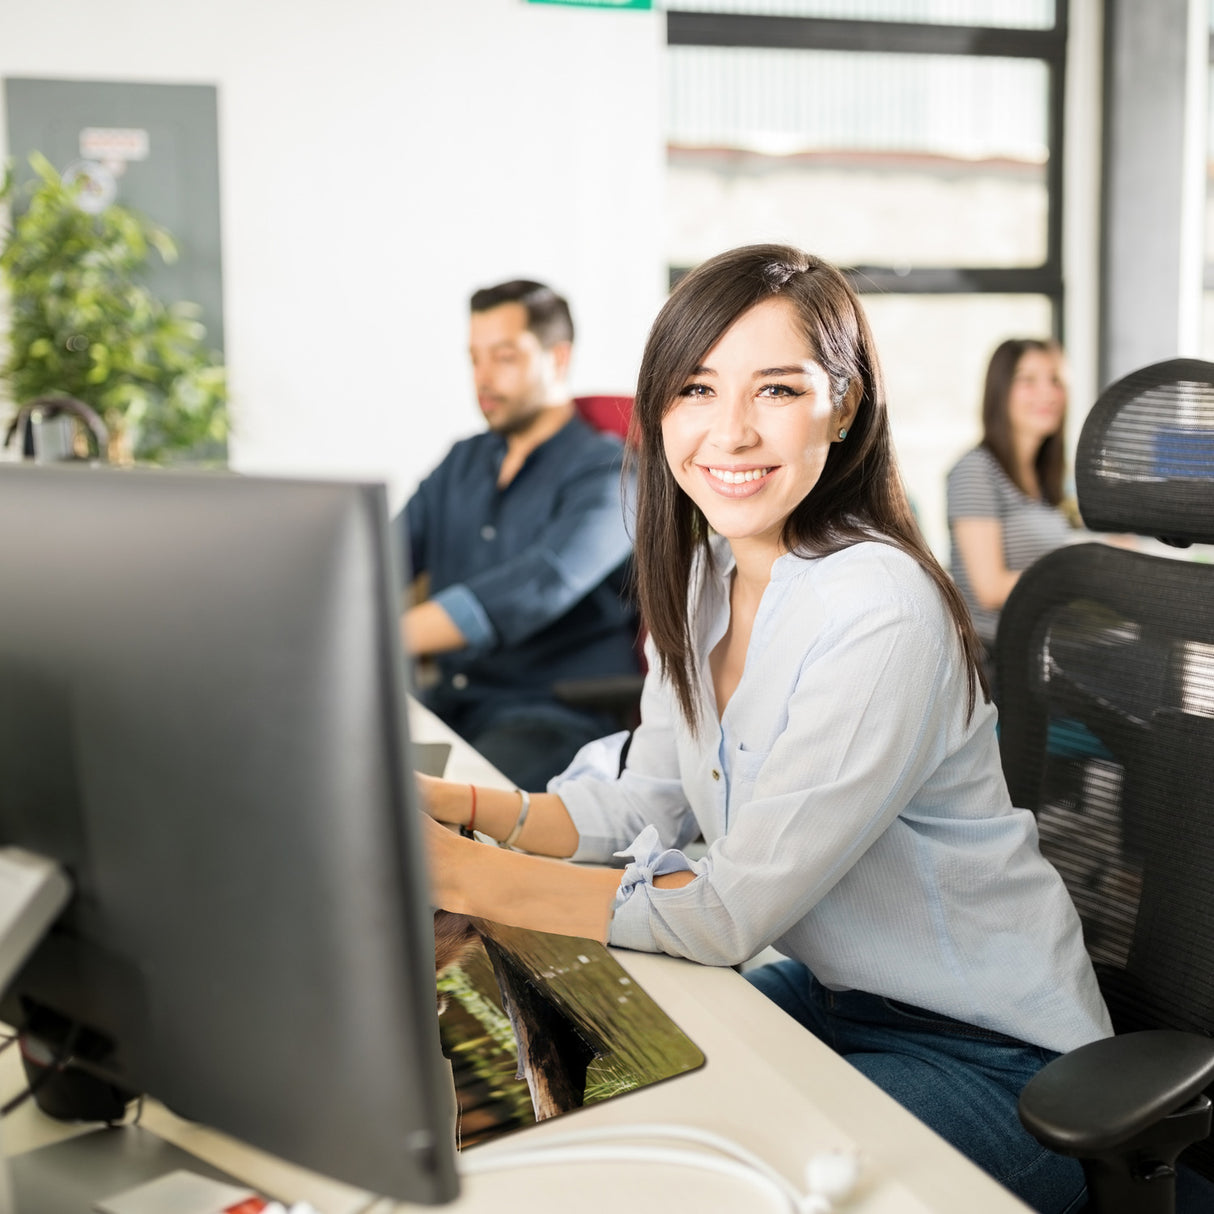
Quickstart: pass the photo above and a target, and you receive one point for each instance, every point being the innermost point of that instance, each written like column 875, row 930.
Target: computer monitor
column 203, row 720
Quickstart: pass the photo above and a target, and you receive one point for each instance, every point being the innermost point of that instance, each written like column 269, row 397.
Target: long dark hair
column 859, row 495
column 1050, row 463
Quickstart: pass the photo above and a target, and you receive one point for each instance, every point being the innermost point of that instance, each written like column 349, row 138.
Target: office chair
column 1116, row 648
column 611, row 414
column 614, row 696
column 55, row 428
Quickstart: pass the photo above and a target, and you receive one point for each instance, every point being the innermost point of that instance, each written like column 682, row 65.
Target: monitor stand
column 67, row 1177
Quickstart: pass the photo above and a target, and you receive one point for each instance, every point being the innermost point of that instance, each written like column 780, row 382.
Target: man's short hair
column 548, row 315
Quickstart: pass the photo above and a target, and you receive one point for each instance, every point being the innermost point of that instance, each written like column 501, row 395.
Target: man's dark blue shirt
column 533, row 575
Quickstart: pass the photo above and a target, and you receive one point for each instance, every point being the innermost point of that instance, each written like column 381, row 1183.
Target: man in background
column 522, row 535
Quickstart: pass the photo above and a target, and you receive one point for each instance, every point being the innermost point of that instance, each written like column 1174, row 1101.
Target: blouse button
column 716, row 775
column 459, row 681
column 488, row 531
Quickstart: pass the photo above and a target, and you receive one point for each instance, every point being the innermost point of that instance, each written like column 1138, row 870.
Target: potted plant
column 82, row 325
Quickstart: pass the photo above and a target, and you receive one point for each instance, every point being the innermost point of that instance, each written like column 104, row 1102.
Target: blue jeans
column 960, row 1080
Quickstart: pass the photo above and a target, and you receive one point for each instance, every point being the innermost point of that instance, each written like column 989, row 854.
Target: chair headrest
column 1145, row 460
column 610, row 414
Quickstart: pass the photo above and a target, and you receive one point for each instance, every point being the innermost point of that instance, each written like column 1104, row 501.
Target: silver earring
column 842, row 433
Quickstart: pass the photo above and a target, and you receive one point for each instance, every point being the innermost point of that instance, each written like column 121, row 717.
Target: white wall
column 379, row 160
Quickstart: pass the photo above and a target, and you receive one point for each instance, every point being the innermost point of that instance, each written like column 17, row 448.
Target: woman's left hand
column 511, row 887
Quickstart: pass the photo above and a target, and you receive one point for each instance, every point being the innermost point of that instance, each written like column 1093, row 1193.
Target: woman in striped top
column 1005, row 496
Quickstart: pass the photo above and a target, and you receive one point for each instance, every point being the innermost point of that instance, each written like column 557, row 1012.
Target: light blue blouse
column 855, row 818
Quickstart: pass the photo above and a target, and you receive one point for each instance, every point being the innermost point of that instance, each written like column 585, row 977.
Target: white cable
column 698, row 1160
column 694, row 1134
column 831, row 1176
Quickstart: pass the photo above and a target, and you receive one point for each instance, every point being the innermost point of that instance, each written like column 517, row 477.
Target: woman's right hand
column 442, row 854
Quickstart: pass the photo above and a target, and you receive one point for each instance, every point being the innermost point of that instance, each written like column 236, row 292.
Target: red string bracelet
column 472, row 817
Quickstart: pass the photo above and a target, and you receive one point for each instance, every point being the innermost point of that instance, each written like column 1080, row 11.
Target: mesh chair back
column 1145, row 461
column 1106, row 668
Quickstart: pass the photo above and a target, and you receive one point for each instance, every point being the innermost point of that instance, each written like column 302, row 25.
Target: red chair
column 611, row 414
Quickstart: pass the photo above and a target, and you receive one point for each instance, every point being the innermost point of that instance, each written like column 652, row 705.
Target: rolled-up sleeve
column 866, row 723
column 469, row 616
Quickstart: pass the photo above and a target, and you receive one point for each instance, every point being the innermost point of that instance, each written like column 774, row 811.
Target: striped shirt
column 979, row 488
column 855, row 816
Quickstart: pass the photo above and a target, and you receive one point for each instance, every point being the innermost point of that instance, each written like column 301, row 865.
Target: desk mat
column 538, row 1025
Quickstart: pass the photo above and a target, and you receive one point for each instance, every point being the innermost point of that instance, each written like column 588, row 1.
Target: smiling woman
column 747, row 436
column 793, row 329
column 813, row 711
column 747, row 439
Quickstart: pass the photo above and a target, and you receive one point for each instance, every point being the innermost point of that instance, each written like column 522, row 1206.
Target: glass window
column 933, row 351
column 865, row 158
column 1007, row 14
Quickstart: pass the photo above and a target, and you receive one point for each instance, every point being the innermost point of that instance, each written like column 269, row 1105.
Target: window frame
column 1207, row 283
column 1048, row 45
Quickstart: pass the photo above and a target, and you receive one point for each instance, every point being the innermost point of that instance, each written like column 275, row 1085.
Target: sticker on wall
column 114, row 146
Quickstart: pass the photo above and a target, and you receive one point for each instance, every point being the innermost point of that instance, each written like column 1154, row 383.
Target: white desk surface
column 767, row 1084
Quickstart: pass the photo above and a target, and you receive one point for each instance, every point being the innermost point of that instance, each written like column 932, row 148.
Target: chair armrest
column 607, row 693
column 1103, row 1094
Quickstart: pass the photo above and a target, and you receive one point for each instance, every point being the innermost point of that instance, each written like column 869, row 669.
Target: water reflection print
column 536, row 1025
